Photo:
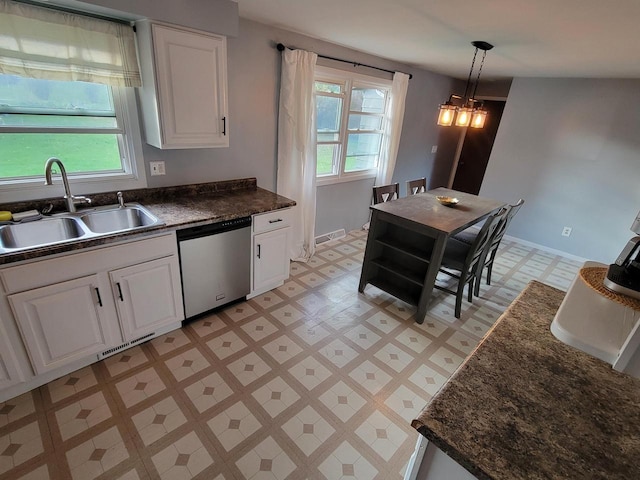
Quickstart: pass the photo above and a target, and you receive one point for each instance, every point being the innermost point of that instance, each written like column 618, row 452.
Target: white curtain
column 391, row 141
column 297, row 147
column 39, row 42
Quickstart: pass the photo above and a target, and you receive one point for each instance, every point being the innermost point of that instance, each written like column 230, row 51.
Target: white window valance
column 39, row 42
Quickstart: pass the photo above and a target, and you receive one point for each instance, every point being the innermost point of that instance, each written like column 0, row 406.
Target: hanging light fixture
column 470, row 113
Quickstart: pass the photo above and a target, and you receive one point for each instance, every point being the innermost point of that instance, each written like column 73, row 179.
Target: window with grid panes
column 83, row 124
column 351, row 119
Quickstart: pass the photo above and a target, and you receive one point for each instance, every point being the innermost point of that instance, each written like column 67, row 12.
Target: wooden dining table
column 407, row 238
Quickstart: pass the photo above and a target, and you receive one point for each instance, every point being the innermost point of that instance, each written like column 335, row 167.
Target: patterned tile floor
column 311, row 380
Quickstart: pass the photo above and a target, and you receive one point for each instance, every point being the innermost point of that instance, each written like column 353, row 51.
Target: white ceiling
column 532, row 38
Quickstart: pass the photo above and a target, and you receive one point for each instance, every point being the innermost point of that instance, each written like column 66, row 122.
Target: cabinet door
column 191, row 80
column 10, row 372
column 148, row 296
column 270, row 259
column 64, row 322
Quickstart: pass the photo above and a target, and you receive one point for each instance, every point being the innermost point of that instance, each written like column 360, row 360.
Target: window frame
column 349, row 81
column 133, row 175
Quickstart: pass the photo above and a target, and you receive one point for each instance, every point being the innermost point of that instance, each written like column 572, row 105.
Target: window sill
column 322, row 181
column 36, row 190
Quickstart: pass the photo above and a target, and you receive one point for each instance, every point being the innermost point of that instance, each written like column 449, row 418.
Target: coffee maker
column 623, row 276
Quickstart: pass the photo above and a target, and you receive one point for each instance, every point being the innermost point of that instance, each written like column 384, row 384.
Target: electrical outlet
column 566, row 231
column 157, row 168
column 434, row 149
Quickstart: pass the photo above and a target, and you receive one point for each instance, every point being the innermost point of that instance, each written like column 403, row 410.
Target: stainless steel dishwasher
column 215, row 264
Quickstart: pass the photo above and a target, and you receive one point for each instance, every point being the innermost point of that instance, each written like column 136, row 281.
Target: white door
column 192, row 86
column 64, row 322
column 148, row 296
column 270, row 259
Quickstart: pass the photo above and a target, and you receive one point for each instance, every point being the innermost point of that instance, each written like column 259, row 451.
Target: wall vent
column 114, row 350
column 336, row 234
column 111, row 351
column 144, row 337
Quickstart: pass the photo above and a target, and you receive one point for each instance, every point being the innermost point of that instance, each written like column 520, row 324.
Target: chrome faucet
column 70, row 199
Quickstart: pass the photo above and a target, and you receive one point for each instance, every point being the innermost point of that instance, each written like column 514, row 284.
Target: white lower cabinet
column 10, row 371
column 147, row 296
column 270, row 248
column 271, row 259
column 63, row 322
column 68, row 310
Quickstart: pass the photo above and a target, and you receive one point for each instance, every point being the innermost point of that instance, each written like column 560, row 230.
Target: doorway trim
column 463, row 134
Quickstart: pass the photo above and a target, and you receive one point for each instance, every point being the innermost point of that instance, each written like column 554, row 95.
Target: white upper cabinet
column 184, row 87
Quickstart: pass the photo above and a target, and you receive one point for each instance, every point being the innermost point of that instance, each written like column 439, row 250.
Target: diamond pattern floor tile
column 310, row 380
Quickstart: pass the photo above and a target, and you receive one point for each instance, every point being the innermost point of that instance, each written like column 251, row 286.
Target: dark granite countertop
column 524, row 405
column 178, row 207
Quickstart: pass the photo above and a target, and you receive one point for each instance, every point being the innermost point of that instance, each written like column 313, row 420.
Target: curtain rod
column 61, row 8
column 281, row 47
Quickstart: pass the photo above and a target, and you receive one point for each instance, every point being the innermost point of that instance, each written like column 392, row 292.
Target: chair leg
column 459, row 294
column 470, row 289
column 490, row 266
column 476, row 282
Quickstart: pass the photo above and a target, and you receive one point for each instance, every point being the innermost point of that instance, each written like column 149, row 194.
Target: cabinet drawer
column 272, row 220
column 75, row 265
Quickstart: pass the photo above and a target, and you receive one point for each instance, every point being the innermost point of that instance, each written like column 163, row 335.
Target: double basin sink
column 80, row 225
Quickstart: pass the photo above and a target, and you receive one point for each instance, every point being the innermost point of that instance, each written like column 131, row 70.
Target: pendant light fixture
column 470, row 113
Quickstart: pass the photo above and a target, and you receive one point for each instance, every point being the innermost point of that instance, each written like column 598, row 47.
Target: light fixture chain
column 466, row 88
column 475, row 88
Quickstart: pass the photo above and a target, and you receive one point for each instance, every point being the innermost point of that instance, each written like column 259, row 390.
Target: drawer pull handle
column 98, row 295
column 275, row 221
column 258, row 250
column 120, row 292
column 224, row 126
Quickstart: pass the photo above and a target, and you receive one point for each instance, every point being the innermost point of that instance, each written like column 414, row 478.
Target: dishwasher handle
column 213, row 228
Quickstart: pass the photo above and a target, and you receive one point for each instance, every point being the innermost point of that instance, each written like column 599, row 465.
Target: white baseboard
column 546, row 249
column 330, row 236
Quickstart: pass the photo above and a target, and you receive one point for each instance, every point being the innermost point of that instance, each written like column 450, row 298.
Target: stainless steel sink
column 80, row 225
column 39, row 233
column 118, row 219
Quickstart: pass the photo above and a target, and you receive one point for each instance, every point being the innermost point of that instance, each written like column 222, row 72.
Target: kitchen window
column 85, row 125
column 66, row 92
column 351, row 122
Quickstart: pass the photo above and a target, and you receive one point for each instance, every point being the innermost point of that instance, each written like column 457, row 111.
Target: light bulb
column 464, row 116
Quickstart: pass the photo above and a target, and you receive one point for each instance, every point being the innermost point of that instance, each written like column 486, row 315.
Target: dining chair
column 491, row 249
column 416, row 186
column 385, row 193
column 465, row 259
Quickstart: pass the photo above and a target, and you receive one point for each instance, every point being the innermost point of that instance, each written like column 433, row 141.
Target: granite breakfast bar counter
column 526, row 406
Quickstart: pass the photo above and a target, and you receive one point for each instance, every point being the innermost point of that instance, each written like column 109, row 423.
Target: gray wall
column 571, row 149
column 253, row 79
column 254, row 72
